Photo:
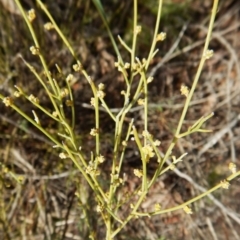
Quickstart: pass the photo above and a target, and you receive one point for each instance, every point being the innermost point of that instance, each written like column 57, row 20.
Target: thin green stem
column 114, row 164
column 145, row 105
column 189, row 97
column 72, row 106
column 125, row 45
column 135, row 33
column 143, row 158
column 92, row 182
column 107, row 109
column 200, row 67
column 32, row 69
column 100, row 9
column 109, row 229
column 13, row 106
column 37, row 104
column 123, row 151
column 43, row 7
column 97, row 125
column 150, row 56
column 36, row 45
column 159, row 169
column 220, row 185
column 131, row 215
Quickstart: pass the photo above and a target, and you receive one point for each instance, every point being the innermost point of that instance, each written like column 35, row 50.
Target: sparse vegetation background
column 60, row 179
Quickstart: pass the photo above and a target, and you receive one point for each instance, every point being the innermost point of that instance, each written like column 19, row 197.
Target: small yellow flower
column 138, row 173
column 150, row 79
column 8, row 101
column 34, row 50
column 17, row 94
column 225, row 184
column 100, row 159
column 138, row 29
column 101, row 94
column 117, row 181
column 62, row 155
column 140, row 101
column 135, row 66
column 146, row 134
column 124, row 143
column 70, row 78
column 187, row 210
column 31, row 15
column 64, row 92
column 139, row 193
column 208, row 54
column 120, row 69
column 55, row 114
column 157, row 207
column 157, row 143
column 89, row 169
column 161, row 36
column 184, row 90
column 77, row 67
column 33, row 99
column 148, row 150
column 48, row 26
column 127, row 65
column 93, row 132
column 101, row 86
column 172, row 166
column 92, row 102
column 99, row 208
column 232, row 167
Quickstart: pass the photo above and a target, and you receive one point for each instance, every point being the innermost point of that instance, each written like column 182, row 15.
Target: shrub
column 109, row 196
